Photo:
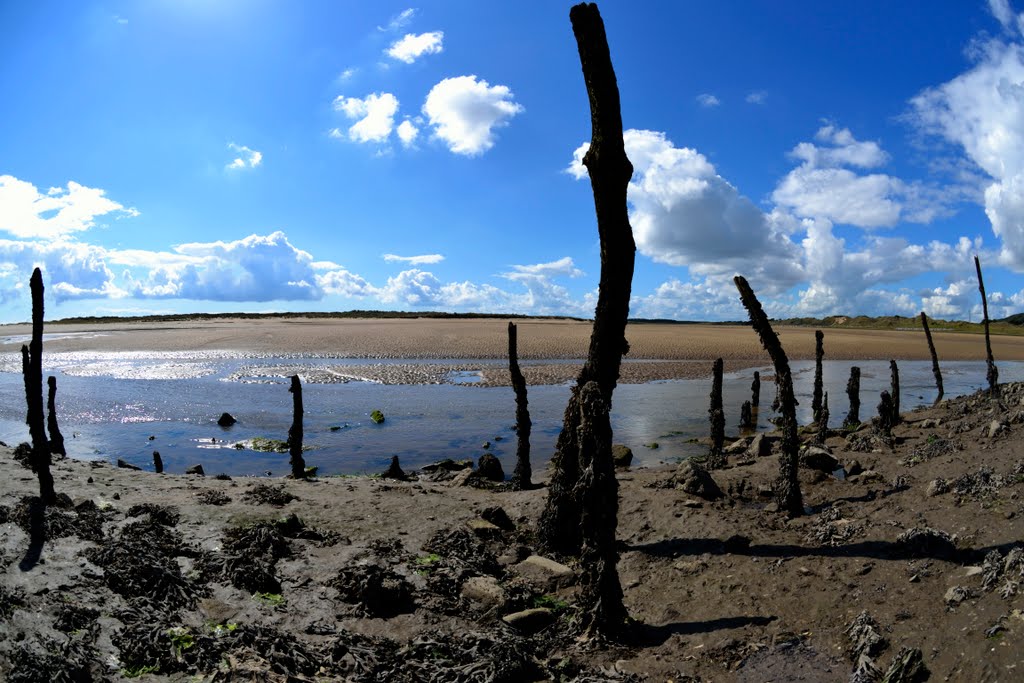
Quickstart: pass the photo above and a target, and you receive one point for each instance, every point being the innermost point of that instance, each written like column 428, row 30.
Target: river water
column 126, row 405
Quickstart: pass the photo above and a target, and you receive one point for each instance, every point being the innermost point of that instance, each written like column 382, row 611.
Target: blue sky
column 257, row 155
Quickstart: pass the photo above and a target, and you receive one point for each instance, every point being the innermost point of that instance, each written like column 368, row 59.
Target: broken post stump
column 894, row 391
column 716, row 416
column 32, row 369
column 822, row 421
column 853, row 394
column 935, row 358
column 819, row 352
column 523, row 473
column 992, row 372
column 158, row 462
column 746, row 417
column 56, row 438
column 297, row 463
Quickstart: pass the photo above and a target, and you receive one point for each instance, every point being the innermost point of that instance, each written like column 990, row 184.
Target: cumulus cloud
column 345, row 283
column 465, row 112
column 399, row 21
column 562, row 267
column 756, row 97
column 411, row 46
column 247, row 158
column 27, row 213
column 407, row 133
column 374, row 116
column 981, row 112
column 708, row 100
column 72, row 270
column 414, row 260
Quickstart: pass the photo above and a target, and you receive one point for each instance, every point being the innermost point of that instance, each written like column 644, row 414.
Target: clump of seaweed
column 378, row 591
column 265, row 494
column 212, row 497
column 160, row 514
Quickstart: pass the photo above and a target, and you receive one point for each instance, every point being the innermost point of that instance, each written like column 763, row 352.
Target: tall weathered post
column 716, row 416
column 788, row 490
column 755, row 390
column 56, row 438
column 523, row 473
column 885, row 421
column 894, row 391
column 992, row 372
column 935, row 358
column 853, row 394
column 822, row 421
column 559, row 529
column 819, row 352
column 32, row 369
column 295, row 431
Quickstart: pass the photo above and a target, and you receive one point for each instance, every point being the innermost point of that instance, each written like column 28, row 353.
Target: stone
column 692, row 478
column 973, row 571
column 622, row 456
column 736, row 447
column 530, row 620
column 394, row 471
column 226, row 420
column 545, row 574
column 484, row 591
column 930, row 423
column 690, row 567
column 489, row 467
column 936, row 487
column 448, row 465
column 464, row 478
column 126, row 465
column 760, row 446
column 996, row 427
column 196, row 469
column 481, row 528
column 817, row 458
column 853, row 468
column 498, row 517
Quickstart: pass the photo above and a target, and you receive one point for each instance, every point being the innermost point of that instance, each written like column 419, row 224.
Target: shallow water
column 111, row 404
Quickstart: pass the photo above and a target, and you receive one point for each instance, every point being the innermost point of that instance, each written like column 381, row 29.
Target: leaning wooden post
column 819, row 352
column 523, row 473
column 295, row 431
column 716, row 415
column 853, row 394
column 32, row 369
column 935, row 358
column 894, row 391
column 788, row 490
column 56, row 438
column 610, row 171
column 992, row 372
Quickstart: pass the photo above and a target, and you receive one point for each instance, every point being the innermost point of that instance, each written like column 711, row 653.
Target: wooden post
column 788, row 489
column 523, row 473
column 158, row 462
column 56, row 438
column 992, row 372
column 885, row 422
column 295, row 431
column 853, row 393
column 610, row 171
column 716, row 415
column 819, row 352
column 935, row 358
column 32, row 369
column 894, row 391
column 822, row 421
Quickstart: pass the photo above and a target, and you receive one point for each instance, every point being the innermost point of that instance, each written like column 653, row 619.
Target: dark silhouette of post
column 822, row 421
column 894, row 391
column 32, row 369
column 992, row 372
column 788, row 490
column 295, row 431
column 559, row 529
column 819, row 352
column 935, row 358
column 158, row 462
column 853, row 394
column 746, row 417
column 885, row 421
column 716, row 416
column 56, row 438
column 523, row 473
column 755, row 390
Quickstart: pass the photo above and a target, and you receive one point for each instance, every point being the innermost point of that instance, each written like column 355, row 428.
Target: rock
column 973, row 571
column 695, row 480
column 464, row 478
column 936, row 487
column 530, row 620
column 691, row 503
column 498, row 517
column 489, row 467
column 377, row 416
column 957, row 594
column 930, row 423
column 870, row 475
column 394, row 471
column 760, row 446
column 927, row 542
column 690, row 567
column 854, row 468
column 997, row 427
column 448, row 465
column 544, row 574
column 907, row 667
column 481, row 528
column 622, row 456
column 226, row 420
column 736, row 447
column 126, row 465
column 484, row 591
column 765, row 491
column 196, row 469
column 817, row 458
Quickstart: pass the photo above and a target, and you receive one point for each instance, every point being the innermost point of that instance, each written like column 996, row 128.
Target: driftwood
column 853, row 394
column 716, row 415
column 992, row 372
column 559, row 528
column 32, row 369
column 819, row 352
column 788, row 489
column 297, row 463
column 935, row 358
column 523, row 473
column 56, row 438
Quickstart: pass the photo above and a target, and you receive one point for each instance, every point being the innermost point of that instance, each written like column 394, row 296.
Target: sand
column 719, row 590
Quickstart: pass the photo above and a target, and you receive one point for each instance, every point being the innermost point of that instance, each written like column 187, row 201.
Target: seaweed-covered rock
column 907, row 667
column 817, row 458
column 226, row 420
column 622, row 456
column 927, row 542
column 196, row 469
column 489, row 467
column 378, row 591
column 266, row 494
column 394, row 471
column 692, row 478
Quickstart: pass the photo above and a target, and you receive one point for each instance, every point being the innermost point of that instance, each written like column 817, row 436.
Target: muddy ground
column 185, row 578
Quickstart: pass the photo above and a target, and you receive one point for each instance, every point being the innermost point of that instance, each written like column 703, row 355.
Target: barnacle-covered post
column 32, row 369
column 56, row 438
column 716, row 415
column 819, row 352
column 885, row 422
column 610, row 170
column 523, row 473
column 788, row 489
column 935, row 358
column 823, row 420
column 853, row 394
column 992, row 372
column 894, row 391
column 295, row 431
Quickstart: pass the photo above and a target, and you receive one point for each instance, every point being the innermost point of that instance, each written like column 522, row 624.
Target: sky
column 175, row 156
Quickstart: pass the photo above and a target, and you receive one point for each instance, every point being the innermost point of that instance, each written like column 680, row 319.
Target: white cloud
column 414, row 260
column 71, row 270
column 708, row 100
column 398, row 21
column 413, row 46
column 1004, row 14
column 347, row 74
column 465, row 111
column 981, row 111
column 562, row 267
column 375, row 116
column 344, row 283
column 26, row 213
column 247, row 158
column 756, row 97
column 407, row 132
